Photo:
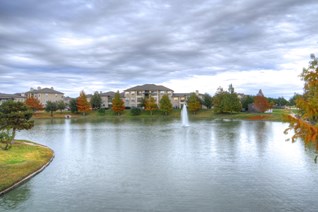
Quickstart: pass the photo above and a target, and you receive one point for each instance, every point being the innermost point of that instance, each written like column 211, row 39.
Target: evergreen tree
column 73, row 105
column 51, row 107
column 96, row 101
column 33, row 103
column 82, row 104
column 207, row 100
column 165, row 104
column 118, row 104
column 194, row 103
column 246, row 100
column 14, row 116
column 151, row 105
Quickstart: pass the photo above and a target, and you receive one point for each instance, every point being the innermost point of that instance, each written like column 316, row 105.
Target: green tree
column 226, row 101
column 118, row 104
column 305, row 124
column 293, row 99
column 247, row 100
column 96, row 101
column 14, row 116
column 82, row 104
column 151, row 105
column 194, row 103
column 61, row 105
column 51, row 107
column 207, row 100
column 165, row 105
column 73, row 105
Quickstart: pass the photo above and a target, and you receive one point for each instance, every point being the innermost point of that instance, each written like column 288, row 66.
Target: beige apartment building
column 45, row 94
column 133, row 96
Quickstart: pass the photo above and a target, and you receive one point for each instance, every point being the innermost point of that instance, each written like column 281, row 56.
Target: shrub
column 135, row 111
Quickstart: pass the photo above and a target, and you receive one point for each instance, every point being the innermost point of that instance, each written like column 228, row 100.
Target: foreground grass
column 21, row 160
column 277, row 115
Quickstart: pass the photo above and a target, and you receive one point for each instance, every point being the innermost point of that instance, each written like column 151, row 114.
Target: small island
column 24, row 160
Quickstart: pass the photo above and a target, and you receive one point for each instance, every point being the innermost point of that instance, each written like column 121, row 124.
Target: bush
column 135, row 111
column 102, row 111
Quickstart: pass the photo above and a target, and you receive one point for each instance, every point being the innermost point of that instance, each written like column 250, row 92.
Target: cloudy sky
column 192, row 45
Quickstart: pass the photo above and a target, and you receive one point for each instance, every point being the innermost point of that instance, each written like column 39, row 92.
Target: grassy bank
column 277, row 115
column 21, row 160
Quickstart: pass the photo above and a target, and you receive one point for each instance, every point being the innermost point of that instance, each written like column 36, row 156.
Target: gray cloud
column 120, row 43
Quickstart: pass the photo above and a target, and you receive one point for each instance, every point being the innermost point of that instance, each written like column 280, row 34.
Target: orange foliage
column 305, row 124
column 117, row 104
column 82, row 103
column 261, row 104
column 33, row 103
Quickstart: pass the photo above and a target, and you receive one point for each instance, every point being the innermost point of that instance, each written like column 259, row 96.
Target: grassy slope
column 20, row 161
column 277, row 115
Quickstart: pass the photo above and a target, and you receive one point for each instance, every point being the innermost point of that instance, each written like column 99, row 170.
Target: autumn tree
column 151, row 105
column 261, row 104
column 305, row 123
column 194, row 103
column 33, row 103
column 51, row 107
column 165, row 104
column 14, row 116
column 82, row 104
column 118, row 104
column 207, row 100
column 96, row 101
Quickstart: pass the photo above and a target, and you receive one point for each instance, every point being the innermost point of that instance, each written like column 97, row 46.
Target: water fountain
column 184, row 116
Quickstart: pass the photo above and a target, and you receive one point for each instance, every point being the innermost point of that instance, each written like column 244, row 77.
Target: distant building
column 133, row 96
column 14, row 97
column 178, row 99
column 45, row 94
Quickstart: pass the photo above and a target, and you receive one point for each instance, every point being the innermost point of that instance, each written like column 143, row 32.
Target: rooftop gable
column 149, row 87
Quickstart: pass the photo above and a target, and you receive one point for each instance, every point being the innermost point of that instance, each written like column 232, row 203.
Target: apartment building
column 14, row 97
column 133, row 96
column 45, row 94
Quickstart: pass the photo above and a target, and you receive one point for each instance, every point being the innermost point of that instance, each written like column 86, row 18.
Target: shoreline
column 31, row 175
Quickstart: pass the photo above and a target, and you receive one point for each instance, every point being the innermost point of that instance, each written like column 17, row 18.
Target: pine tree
column 165, row 104
column 14, row 116
column 305, row 124
column 82, row 104
column 33, row 103
column 118, row 104
column 96, row 101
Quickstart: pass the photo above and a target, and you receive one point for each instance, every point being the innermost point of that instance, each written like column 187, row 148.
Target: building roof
column 109, row 93
column 260, row 93
column 180, row 94
column 44, row 90
column 149, row 87
column 9, row 96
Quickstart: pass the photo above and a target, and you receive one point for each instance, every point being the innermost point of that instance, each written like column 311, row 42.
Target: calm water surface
column 149, row 165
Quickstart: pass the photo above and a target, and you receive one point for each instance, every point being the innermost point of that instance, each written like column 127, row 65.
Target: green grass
column 277, row 115
column 20, row 161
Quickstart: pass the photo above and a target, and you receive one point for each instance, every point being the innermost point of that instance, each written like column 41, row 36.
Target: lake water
column 152, row 165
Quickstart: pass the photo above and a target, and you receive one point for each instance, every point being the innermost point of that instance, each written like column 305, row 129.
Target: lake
column 158, row 165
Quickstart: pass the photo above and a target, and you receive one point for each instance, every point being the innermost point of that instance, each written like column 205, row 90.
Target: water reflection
column 17, row 197
column 157, row 165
